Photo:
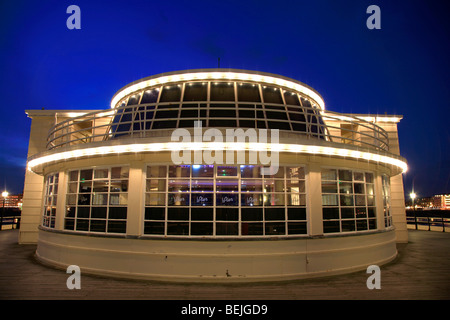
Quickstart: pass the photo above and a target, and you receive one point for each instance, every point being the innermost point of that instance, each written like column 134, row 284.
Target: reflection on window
column 222, row 91
column 207, row 200
column 386, row 186
column 248, row 92
column 347, row 201
column 171, row 94
column 97, row 200
column 50, row 200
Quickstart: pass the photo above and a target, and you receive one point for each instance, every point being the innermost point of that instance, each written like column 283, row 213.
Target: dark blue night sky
column 402, row 69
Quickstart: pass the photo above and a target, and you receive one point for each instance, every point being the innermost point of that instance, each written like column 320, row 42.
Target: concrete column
column 32, row 207
column 314, row 200
column 379, row 202
column 398, row 209
column 61, row 202
column 135, row 215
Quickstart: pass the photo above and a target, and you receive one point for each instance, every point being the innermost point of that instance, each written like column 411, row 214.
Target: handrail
column 104, row 125
column 433, row 219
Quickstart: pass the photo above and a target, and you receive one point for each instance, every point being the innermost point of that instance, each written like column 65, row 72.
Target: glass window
column 150, row 96
column 94, row 204
column 166, row 114
column 222, row 91
column 227, row 171
column 227, row 229
column 235, row 201
column 248, row 92
column 178, row 199
column 179, row 185
column 252, row 229
column 179, row 171
column 171, row 94
column 156, row 171
column 178, row 228
column 155, row 199
column 189, row 114
column 247, row 114
column 251, row 185
column 201, row 229
column 202, row 199
column 227, row 185
column 250, row 171
column 272, row 95
column 201, row 185
column 291, row 98
column 195, row 91
column 227, row 214
column 278, row 125
column 222, row 113
column 352, row 199
column 251, row 199
column 155, row 213
column 223, row 123
column 276, row 115
column 155, row 185
column 178, row 214
column 134, row 99
column 50, row 200
column 202, row 214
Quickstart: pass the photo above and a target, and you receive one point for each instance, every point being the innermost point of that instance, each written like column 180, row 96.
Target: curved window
column 195, row 91
column 175, row 105
column 386, row 185
column 96, row 200
column 50, row 200
column 248, row 92
column 171, row 94
column 208, row 200
column 222, row 91
column 348, row 201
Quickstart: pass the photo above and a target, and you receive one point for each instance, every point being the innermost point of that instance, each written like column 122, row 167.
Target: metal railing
column 138, row 122
column 421, row 220
column 9, row 222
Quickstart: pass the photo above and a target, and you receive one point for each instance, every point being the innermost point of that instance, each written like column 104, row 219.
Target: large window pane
column 248, row 92
column 222, row 91
column 227, row 185
column 171, row 93
column 195, row 91
column 227, row 199
column 227, row 171
column 179, row 171
column 202, row 199
column 203, row 171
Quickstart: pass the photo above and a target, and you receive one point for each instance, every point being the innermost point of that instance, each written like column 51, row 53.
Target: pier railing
column 433, row 220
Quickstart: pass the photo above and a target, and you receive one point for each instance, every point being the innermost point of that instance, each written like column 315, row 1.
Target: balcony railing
column 136, row 122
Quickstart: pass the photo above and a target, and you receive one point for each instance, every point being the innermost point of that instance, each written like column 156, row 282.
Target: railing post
column 443, row 222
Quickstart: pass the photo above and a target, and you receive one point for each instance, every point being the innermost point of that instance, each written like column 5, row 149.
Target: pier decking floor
column 421, row 271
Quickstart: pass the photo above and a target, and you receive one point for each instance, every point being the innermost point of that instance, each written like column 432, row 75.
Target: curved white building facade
column 214, row 175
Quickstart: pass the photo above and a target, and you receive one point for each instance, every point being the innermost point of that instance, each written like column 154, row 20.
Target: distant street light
column 413, row 196
column 4, row 195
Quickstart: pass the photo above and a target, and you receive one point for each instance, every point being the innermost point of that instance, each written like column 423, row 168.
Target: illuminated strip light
column 194, row 146
column 217, row 76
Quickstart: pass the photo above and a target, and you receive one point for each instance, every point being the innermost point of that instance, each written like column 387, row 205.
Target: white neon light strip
column 217, row 76
column 194, row 146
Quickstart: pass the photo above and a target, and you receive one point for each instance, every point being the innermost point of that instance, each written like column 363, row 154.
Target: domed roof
column 218, row 98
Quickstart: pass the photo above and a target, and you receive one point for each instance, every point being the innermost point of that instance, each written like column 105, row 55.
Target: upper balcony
column 155, row 120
